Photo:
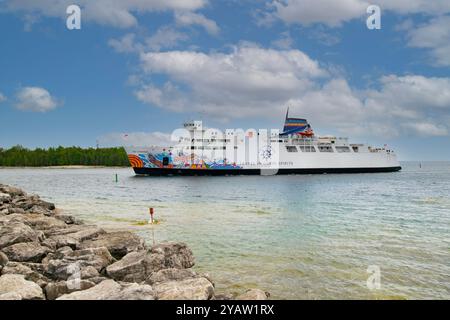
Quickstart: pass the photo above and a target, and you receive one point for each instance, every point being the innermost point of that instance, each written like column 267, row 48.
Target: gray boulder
column 89, row 272
column 134, row 291
column 27, row 272
column 169, row 255
column 26, row 252
column 71, row 236
column 171, row 274
column 223, row 296
column 43, row 223
column 4, row 197
column 111, row 290
column 131, row 268
column 14, row 286
column 12, row 191
column 10, row 218
column 61, row 266
column 119, row 243
column 56, row 289
column 3, row 260
column 137, row 266
column 189, row 289
column 68, row 219
column 16, row 232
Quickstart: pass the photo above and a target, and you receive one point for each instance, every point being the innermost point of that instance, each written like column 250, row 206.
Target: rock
column 13, row 217
column 4, row 197
column 111, row 290
column 189, row 289
column 26, row 252
column 27, row 272
column 46, row 205
column 89, row 272
column 43, row 223
column 15, row 286
column 171, row 274
column 97, row 280
column 169, row 255
column 134, row 291
column 67, row 219
column 12, row 191
column 119, row 243
column 61, row 266
column 137, row 266
column 13, row 210
column 37, row 267
column 223, row 296
column 39, row 210
column 10, row 296
column 57, row 242
column 71, row 236
column 131, row 268
column 56, row 289
column 253, row 294
column 76, row 232
column 24, row 203
column 17, row 232
column 3, row 260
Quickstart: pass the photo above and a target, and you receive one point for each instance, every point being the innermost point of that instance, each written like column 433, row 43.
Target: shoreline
column 48, row 255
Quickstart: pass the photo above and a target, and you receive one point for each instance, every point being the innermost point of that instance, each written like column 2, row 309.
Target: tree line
column 19, row 156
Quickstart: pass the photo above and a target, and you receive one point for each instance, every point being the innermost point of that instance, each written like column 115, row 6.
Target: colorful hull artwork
column 157, row 160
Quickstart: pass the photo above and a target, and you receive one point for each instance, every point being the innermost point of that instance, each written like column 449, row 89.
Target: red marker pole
column 151, row 215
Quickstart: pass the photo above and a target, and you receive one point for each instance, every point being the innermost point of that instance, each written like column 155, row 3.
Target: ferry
column 199, row 151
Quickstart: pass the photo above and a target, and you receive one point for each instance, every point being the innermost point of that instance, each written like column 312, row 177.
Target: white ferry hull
column 157, row 162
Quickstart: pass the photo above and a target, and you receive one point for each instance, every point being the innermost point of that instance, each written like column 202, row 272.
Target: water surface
column 298, row 237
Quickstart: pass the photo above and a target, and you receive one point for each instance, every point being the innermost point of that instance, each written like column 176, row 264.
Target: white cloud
column 230, row 85
column 191, row 18
column 126, row 44
column 402, row 106
column 434, row 35
column 2, row 97
column 414, row 92
column 135, row 139
column 334, row 13
column 258, row 82
column 169, row 96
column 165, row 37
column 427, row 129
column 106, row 12
column 35, row 99
column 329, row 12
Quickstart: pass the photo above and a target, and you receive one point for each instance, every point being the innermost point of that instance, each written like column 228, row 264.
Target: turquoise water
column 298, row 237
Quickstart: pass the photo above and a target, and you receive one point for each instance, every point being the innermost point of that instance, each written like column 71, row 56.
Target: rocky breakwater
column 48, row 255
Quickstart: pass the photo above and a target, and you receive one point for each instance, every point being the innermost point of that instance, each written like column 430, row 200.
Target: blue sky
column 143, row 67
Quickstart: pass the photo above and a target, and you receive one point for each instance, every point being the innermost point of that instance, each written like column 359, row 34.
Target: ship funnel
column 297, row 126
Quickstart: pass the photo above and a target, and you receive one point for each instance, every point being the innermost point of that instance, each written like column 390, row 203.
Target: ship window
column 307, row 148
column 165, row 161
column 291, row 149
column 342, row 149
column 325, row 149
